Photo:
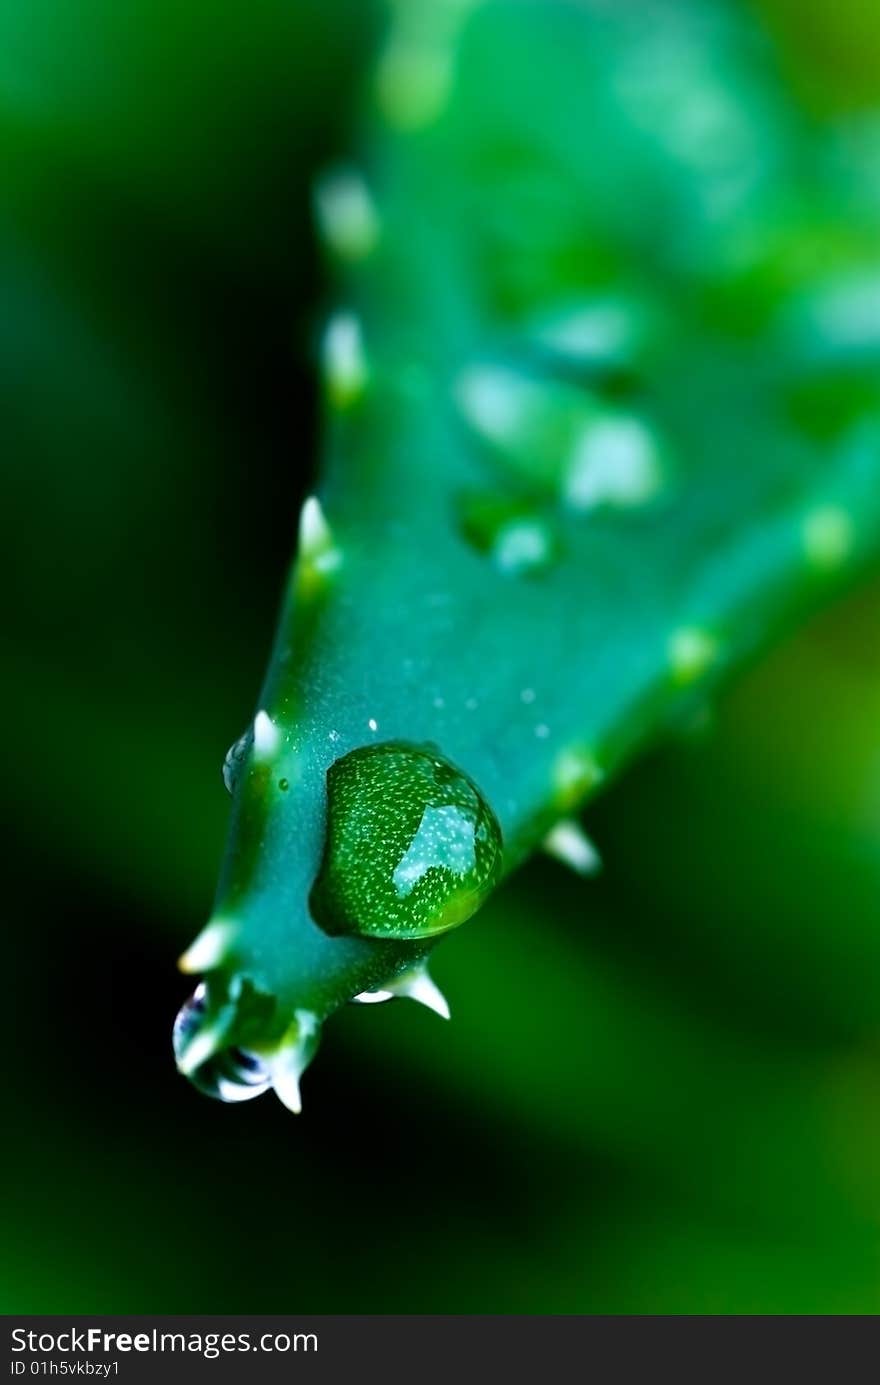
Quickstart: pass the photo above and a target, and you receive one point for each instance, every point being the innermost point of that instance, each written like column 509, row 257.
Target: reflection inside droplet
column 445, row 834
column 230, row 1074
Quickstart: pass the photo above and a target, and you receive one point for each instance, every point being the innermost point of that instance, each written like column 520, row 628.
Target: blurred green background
column 659, row 1095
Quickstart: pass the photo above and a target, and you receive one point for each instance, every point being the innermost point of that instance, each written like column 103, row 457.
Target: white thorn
column 416, row 70
column 347, row 213
column 372, row 997
column 692, row 652
column 285, row 1081
column 314, row 531
column 413, row 84
column 291, row 1059
column 569, row 843
column 575, row 773
column 345, row 363
column 417, row 985
column 266, row 736
column 210, row 947
column 828, row 537
column 318, row 554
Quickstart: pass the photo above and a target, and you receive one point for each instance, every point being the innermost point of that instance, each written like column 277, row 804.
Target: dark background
column 659, row 1095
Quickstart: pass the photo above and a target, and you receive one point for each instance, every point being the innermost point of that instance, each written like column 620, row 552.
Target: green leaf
column 602, row 419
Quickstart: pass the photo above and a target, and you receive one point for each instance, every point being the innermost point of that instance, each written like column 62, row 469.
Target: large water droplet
column 227, row 1074
column 412, row 847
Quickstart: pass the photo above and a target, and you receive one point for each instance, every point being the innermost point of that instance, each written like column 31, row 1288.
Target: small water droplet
column 412, row 846
column 233, row 764
column 229, row 1074
column 615, row 461
column 837, row 320
column 530, row 422
column 371, row 997
column 284, row 785
column 563, row 439
column 522, row 546
column 519, row 538
column 606, row 332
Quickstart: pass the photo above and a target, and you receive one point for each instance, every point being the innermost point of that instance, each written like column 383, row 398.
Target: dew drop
column 527, row 421
column 608, row 331
column 563, row 440
column 519, row 538
column 228, row 1074
column 412, row 847
column 233, row 764
column 522, row 546
column 837, row 320
column 284, row 785
column 615, row 461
